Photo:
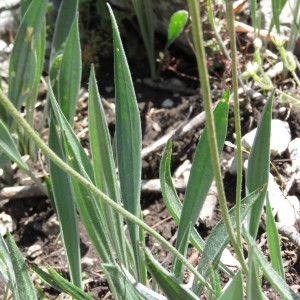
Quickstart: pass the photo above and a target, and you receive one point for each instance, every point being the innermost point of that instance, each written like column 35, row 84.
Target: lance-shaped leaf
column 128, row 141
column 218, row 239
column 170, row 285
column 88, row 205
column 70, row 74
column 259, row 165
column 23, row 64
column 104, row 167
column 55, row 280
column 21, row 284
column 273, row 277
column 200, row 179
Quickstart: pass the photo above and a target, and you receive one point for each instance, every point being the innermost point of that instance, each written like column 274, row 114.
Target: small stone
column 168, row 103
column 109, row 89
column 51, row 227
column 7, row 223
column 209, row 205
column 294, row 151
column 34, row 251
column 155, row 126
column 289, row 210
column 228, row 260
column 145, row 212
column 280, row 137
column 276, row 196
column 183, row 172
column 87, row 262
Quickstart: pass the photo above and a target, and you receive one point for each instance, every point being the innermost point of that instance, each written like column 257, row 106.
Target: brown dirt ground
column 31, row 213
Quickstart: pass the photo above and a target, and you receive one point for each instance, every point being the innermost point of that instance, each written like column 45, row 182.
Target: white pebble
column 294, row 150
column 7, row 223
column 280, row 137
column 168, row 103
column 51, row 227
column 34, row 251
column 289, row 210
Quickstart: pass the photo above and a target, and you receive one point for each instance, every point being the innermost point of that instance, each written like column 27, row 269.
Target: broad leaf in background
column 104, row 167
column 198, row 184
column 23, row 60
column 259, row 165
column 129, row 143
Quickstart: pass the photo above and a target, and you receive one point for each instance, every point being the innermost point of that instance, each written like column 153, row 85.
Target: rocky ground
column 165, row 105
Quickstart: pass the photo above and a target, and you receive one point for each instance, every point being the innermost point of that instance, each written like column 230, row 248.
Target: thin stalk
column 206, row 95
column 237, row 120
column 10, row 108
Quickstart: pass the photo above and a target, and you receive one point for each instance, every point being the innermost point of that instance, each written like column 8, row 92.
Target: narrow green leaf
column 8, row 146
column 218, row 239
column 104, row 167
column 9, row 149
column 70, row 74
column 172, row 288
column 173, row 202
column 215, row 283
column 65, row 207
column 119, row 284
column 128, row 142
column 65, row 18
column 144, row 13
column 5, row 263
column 273, row 241
column 200, row 178
column 32, row 97
column 277, row 7
column 276, row 280
column 235, row 290
column 143, row 290
column 88, row 205
column 22, row 67
column 22, row 286
column 59, row 283
column 46, row 278
column 176, row 25
column 253, row 287
column 259, row 165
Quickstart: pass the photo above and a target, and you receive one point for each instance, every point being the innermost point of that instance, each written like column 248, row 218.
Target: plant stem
column 10, row 108
column 210, row 125
column 237, row 121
